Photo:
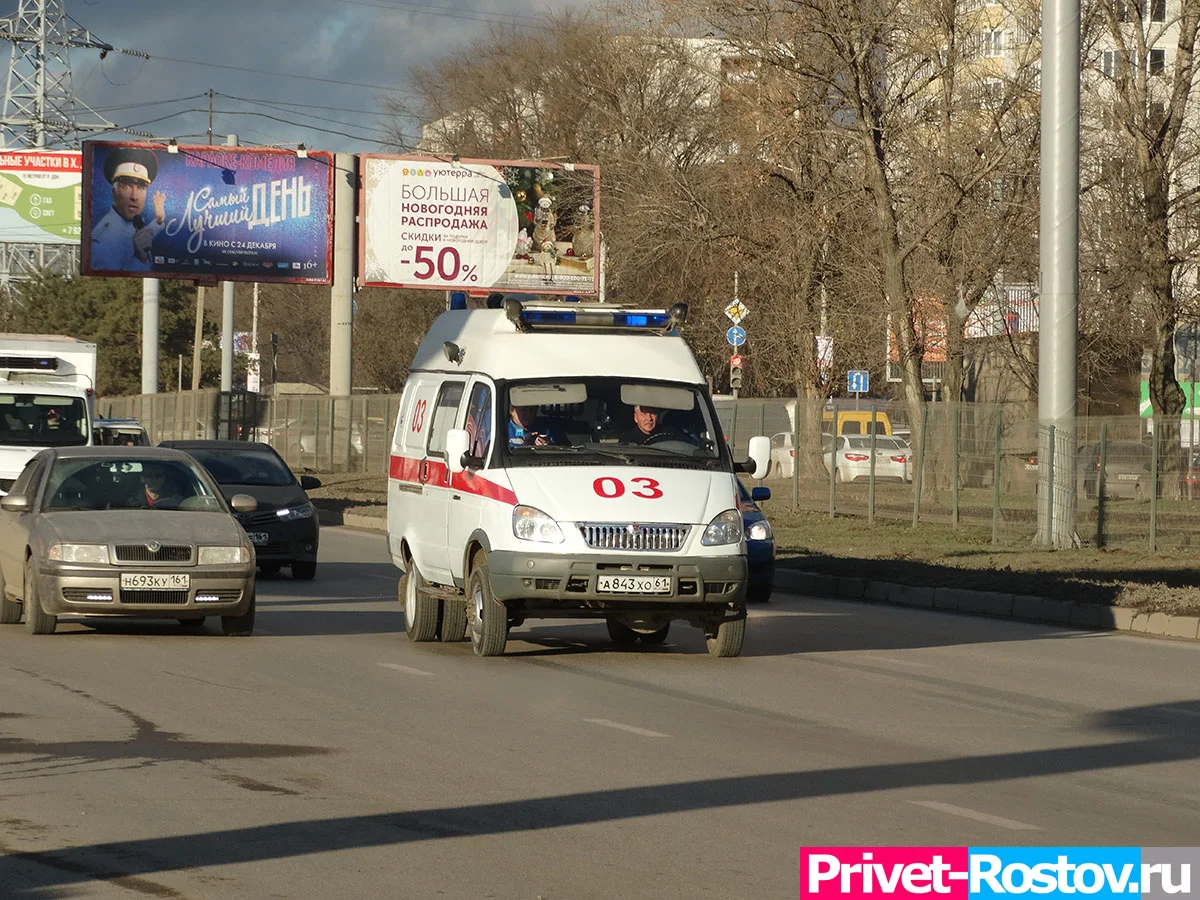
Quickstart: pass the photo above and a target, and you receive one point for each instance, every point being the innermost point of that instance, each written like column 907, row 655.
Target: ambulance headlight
column 530, row 524
column 726, row 528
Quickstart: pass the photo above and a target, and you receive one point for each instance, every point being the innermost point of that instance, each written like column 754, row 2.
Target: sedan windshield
column 92, row 483
column 610, row 421
column 260, row 467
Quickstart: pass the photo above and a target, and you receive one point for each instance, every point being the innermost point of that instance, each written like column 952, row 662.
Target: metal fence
column 977, row 467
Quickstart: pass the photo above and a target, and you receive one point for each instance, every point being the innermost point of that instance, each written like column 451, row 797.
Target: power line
column 378, row 128
column 270, row 102
column 355, row 137
column 451, row 13
column 196, row 62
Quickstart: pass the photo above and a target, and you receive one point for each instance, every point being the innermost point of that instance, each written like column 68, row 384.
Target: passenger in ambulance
column 526, row 430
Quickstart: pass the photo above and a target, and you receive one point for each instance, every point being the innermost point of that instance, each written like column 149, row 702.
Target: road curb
column 1023, row 607
column 1026, row 608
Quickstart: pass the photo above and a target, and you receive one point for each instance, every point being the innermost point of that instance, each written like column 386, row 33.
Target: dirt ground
column 932, row 555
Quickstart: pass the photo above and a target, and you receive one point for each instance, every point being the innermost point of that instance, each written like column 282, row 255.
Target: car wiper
column 591, row 448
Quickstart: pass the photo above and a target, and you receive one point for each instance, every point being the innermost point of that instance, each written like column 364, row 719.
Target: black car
column 284, row 528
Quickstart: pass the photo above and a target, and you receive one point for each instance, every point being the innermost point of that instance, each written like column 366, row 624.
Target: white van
column 575, row 511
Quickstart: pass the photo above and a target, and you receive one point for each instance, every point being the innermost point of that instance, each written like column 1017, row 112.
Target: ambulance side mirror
column 458, row 442
column 759, row 462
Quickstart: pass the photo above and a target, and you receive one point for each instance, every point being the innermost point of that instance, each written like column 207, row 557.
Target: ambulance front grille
column 634, row 536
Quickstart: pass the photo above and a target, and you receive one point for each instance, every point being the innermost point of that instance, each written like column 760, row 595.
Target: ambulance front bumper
column 616, row 581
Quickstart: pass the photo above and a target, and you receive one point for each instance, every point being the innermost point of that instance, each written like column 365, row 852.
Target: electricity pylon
column 41, row 111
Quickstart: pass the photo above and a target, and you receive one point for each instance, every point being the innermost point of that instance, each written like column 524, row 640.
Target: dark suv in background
column 284, row 528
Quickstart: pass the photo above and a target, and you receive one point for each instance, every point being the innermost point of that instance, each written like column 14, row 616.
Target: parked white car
column 893, row 458
column 783, row 456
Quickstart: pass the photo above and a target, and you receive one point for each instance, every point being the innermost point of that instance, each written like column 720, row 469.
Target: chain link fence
column 978, row 466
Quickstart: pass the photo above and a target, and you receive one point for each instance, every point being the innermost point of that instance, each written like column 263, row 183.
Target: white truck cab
column 563, row 460
column 47, row 393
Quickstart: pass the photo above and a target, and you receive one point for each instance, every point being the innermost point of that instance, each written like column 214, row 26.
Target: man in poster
column 121, row 240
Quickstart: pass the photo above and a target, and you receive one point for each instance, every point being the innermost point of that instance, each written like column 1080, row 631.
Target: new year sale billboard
column 479, row 224
column 211, row 213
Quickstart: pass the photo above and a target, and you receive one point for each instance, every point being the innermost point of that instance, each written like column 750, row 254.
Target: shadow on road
column 1154, row 734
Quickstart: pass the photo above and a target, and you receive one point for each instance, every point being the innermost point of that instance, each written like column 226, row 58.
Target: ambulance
column 524, row 484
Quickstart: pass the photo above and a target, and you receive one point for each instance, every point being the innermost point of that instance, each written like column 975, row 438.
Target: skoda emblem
column 154, row 546
column 634, row 528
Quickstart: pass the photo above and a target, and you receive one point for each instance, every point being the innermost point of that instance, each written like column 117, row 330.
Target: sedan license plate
column 257, row 537
column 145, row 581
column 1127, row 476
column 634, row 584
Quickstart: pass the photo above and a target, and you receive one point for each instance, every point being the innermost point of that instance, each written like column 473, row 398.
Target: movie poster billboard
column 207, row 213
column 476, row 224
column 40, row 196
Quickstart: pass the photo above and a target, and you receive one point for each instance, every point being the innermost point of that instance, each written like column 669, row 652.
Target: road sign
column 736, row 335
column 736, row 311
column 858, row 381
column 735, row 360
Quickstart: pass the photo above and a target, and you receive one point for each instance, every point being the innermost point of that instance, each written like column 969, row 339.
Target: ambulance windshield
column 610, row 421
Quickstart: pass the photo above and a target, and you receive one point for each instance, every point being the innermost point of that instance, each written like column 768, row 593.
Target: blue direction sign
column 858, row 381
column 736, row 335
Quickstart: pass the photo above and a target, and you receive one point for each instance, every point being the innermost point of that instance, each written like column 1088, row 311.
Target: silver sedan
column 123, row 531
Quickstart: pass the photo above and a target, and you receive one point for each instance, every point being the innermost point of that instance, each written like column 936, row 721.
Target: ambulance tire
column 421, row 611
column 489, row 617
column 727, row 638
column 453, row 626
column 620, row 633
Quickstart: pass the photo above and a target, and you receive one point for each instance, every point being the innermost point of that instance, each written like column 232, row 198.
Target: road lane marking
column 409, row 670
column 644, row 732
column 975, row 815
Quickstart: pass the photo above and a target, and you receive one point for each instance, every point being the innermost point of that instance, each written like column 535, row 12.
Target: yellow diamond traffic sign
column 736, row 311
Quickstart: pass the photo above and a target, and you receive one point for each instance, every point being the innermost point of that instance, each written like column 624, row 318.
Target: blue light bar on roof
column 641, row 320
column 548, row 317
column 594, row 317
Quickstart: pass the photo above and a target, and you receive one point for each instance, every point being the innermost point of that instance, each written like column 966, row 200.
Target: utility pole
column 197, row 338
column 227, row 316
column 341, row 300
column 210, row 100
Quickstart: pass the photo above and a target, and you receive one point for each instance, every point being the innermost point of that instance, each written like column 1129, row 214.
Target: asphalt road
column 328, row 757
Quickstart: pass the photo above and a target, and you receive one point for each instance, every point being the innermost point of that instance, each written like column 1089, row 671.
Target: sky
column 297, row 66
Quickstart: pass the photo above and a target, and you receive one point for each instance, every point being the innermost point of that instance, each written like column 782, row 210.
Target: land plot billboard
column 479, row 224
column 40, row 196
column 207, row 213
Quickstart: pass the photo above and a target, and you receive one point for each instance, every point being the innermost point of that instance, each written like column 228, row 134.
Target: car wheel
column 620, row 633
column 192, row 624
column 453, row 626
column 421, row 611
column 271, row 567
column 304, row 571
column 37, row 620
column 489, row 618
column 726, row 640
column 758, row 593
column 657, row 636
column 10, row 610
column 240, row 626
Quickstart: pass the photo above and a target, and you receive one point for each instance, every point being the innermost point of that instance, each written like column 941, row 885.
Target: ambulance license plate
column 634, row 584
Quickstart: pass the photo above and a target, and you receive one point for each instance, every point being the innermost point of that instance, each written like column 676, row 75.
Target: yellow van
column 855, row 421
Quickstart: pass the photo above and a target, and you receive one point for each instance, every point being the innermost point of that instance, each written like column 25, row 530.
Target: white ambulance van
column 522, row 486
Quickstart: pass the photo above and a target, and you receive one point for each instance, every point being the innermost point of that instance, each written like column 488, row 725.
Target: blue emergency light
column 594, row 317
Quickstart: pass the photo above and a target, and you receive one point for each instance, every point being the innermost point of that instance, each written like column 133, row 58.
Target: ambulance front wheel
column 727, row 637
column 488, row 616
column 420, row 610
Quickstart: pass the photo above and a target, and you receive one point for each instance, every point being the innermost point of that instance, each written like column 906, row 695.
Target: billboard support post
column 198, row 338
column 227, row 315
column 341, row 295
column 149, row 336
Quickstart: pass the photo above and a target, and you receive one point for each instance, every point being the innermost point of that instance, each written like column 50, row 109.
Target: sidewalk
column 1027, row 608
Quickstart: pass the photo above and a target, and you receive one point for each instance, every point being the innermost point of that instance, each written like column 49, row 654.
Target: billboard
column 207, row 213
column 479, row 224
column 40, row 196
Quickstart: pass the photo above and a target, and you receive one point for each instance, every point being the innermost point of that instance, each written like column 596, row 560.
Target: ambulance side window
column 444, row 411
column 479, row 420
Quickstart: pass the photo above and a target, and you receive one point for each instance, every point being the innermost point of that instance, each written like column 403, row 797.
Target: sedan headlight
column 530, row 524
column 223, row 556
column 759, row 531
column 726, row 528
column 97, row 554
column 289, row 513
